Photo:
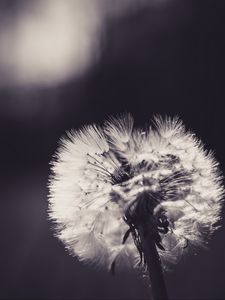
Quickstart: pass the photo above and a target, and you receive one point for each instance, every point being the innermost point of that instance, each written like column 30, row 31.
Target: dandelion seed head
column 103, row 175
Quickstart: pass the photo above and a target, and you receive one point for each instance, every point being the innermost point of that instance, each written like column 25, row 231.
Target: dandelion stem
column 154, row 266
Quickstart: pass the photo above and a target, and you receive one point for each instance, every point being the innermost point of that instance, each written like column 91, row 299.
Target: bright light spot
column 49, row 41
column 46, row 42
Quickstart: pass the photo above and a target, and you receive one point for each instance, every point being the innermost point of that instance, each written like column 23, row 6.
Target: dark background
column 168, row 61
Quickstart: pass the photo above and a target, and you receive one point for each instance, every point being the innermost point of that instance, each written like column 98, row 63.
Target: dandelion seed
column 113, row 185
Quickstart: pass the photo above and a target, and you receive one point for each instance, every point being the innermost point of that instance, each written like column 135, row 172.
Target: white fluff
column 88, row 195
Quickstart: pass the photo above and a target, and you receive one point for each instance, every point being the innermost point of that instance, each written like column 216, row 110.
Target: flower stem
column 154, row 266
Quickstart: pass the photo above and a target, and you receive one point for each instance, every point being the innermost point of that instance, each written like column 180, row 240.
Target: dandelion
column 124, row 197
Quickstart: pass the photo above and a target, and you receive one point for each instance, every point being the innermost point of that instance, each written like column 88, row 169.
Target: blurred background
column 68, row 63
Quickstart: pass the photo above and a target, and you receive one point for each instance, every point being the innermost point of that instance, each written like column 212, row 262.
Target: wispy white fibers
column 100, row 172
